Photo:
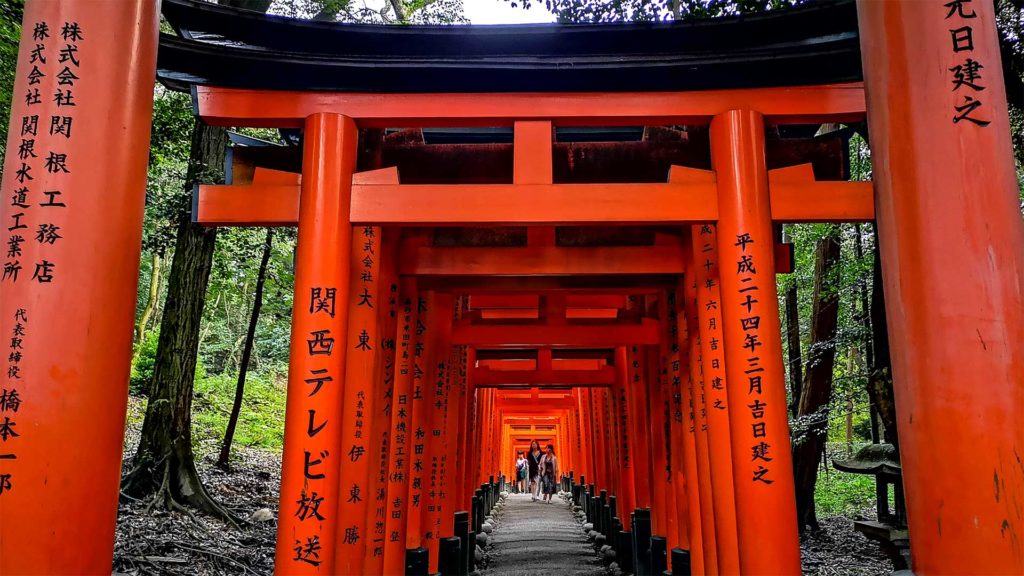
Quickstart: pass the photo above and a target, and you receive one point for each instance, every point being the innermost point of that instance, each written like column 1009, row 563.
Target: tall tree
column 164, row 464
column 817, row 385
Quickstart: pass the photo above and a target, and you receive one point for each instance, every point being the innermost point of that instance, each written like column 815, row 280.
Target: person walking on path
column 533, row 464
column 549, row 473
column 521, row 471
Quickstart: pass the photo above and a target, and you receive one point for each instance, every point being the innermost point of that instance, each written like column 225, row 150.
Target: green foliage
column 10, row 34
column 841, row 494
column 145, row 363
column 260, row 423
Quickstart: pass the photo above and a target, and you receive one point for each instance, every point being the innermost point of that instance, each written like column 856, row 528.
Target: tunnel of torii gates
column 598, row 272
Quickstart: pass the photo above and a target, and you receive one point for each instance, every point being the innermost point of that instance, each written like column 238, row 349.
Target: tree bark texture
column 880, row 377
column 164, row 465
column 793, row 345
column 817, row 383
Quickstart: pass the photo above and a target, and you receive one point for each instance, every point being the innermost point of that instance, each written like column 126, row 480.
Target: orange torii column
column 695, row 382
column 638, row 392
column 438, row 349
column 400, row 447
column 419, row 428
column 462, row 438
column 709, row 321
column 383, row 402
column 450, row 463
column 674, row 377
column 658, row 446
column 364, row 353
column 626, row 497
column 765, row 497
column 611, row 444
column 687, row 349
column 309, row 507
column 73, row 192
column 951, row 237
column 664, row 428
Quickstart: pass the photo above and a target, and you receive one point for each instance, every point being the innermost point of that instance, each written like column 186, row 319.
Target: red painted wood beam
column 538, row 260
column 569, row 335
column 284, row 109
column 487, row 377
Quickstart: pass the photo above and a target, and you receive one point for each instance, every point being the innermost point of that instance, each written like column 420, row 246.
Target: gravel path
column 538, row 539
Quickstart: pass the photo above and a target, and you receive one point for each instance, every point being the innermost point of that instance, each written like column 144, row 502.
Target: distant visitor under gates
column 616, row 300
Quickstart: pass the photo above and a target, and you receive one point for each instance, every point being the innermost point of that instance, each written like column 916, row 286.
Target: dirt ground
column 150, row 543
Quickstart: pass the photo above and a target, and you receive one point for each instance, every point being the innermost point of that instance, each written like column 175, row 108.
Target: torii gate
column 944, row 199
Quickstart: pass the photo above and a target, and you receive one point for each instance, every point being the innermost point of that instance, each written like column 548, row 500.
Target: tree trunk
column 793, row 345
column 880, row 377
column 250, row 337
column 164, row 465
column 817, row 384
column 154, row 295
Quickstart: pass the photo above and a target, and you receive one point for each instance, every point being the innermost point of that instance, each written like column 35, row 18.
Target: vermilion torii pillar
column 762, row 462
column 953, row 265
column 71, row 211
column 309, row 503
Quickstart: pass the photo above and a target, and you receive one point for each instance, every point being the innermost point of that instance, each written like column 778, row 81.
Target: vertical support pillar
column 67, row 299
column 364, row 353
column 626, row 495
column 384, row 404
column 656, row 431
column 439, row 348
column 765, row 495
column 709, row 321
column 420, row 420
column 666, row 484
column 641, row 449
column 698, row 407
column 689, row 441
column 400, row 448
column 309, row 507
column 950, row 235
column 677, row 429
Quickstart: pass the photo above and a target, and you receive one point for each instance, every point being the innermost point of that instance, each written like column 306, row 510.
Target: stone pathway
column 538, row 539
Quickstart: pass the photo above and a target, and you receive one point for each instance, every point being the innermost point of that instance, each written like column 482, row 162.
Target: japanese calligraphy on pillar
column 749, row 310
column 710, row 321
column 419, row 434
column 35, row 215
column 319, row 349
column 399, row 465
column 966, row 81
column 387, row 317
column 360, row 369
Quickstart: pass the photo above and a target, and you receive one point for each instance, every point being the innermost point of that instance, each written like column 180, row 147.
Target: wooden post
column 687, row 351
column 763, row 471
column 626, row 495
column 677, row 429
column 698, row 406
column 420, row 420
column 402, row 432
column 309, row 508
column 641, row 447
column 364, row 354
column 383, row 392
column 951, row 235
column 71, row 212
column 709, row 321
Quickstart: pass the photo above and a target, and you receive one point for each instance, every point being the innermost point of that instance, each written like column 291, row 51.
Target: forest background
column 836, row 364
